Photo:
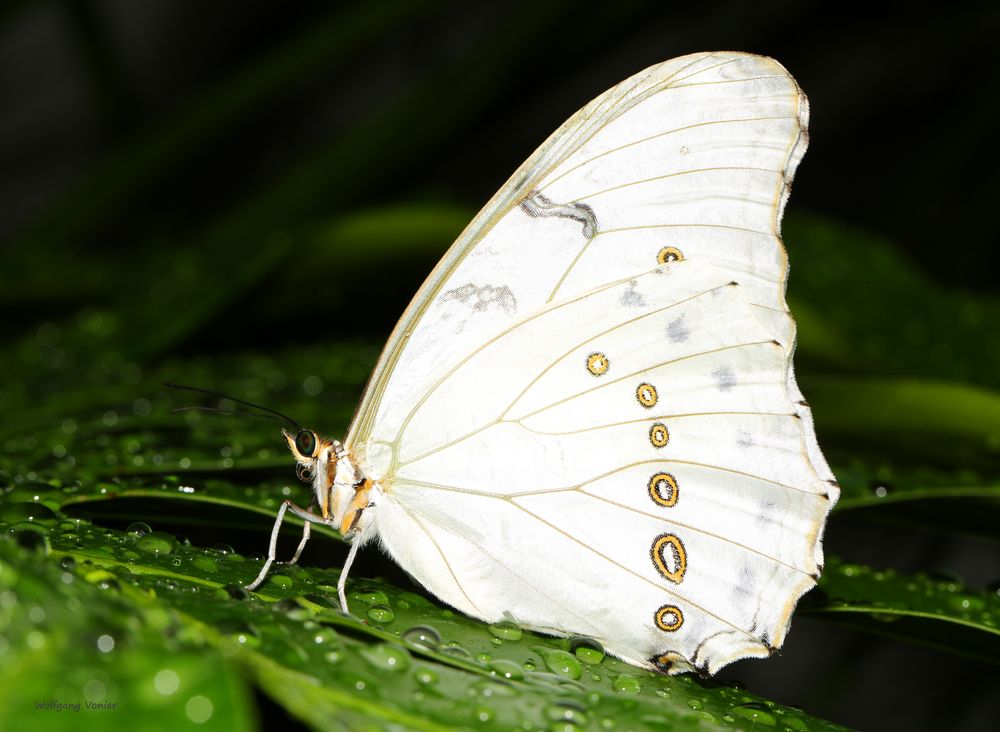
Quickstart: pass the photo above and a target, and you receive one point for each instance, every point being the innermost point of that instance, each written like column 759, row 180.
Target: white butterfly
column 587, row 420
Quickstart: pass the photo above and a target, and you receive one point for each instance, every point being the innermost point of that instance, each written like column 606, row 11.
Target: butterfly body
column 587, row 420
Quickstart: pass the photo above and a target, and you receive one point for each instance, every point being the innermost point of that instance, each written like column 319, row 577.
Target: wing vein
column 635, row 574
column 633, row 374
column 665, row 133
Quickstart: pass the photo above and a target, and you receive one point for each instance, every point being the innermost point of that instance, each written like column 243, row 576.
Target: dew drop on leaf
column 387, row 657
column 381, row 614
column 587, row 650
column 156, row 542
column 138, row 529
column 423, row 636
column 236, row 592
column 325, row 636
column 31, row 538
column 563, row 664
column 566, row 712
column 756, row 713
column 506, row 630
column 205, row 564
column 455, row 650
column 30, row 512
column 426, row 676
column 507, row 669
column 628, row 684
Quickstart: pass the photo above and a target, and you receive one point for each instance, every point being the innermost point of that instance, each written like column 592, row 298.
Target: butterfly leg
column 342, row 582
column 306, row 530
column 272, row 551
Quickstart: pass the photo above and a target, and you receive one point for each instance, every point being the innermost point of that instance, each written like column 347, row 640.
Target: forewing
column 506, row 420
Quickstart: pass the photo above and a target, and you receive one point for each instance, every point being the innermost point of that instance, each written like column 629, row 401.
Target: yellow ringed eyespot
column 597, row 364
column 669, row 618
column 668, row 255
column 671, row 543
column 663, row 489
column 646, row 394
column 659, row 435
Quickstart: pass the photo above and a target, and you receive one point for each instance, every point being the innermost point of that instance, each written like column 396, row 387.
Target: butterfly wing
column 587, row 418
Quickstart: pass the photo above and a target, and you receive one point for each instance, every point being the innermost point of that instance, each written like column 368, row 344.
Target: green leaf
column 399, row 659
column 76, row 650
column 866, row 486
column 931, row 421
column 941, row 614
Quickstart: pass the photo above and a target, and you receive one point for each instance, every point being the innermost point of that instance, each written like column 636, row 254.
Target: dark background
column 126, row 125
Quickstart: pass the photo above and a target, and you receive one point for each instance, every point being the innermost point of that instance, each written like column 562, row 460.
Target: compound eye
column 305, row 443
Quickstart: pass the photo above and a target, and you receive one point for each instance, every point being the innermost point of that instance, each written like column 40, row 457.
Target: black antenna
column 272, row 413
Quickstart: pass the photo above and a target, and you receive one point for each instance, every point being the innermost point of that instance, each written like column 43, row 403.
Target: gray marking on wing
column 538, row 205
column 765, row 517
column 740, row 595
column 485, row 296
column 744, row 439
column 725, row 378
column 677, row 332
column 631, row 298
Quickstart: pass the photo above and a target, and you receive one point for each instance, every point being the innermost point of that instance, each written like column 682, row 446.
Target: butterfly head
column 324, row 463
column 315, row 462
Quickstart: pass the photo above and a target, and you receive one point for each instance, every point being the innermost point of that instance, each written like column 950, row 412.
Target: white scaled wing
column 587, row 419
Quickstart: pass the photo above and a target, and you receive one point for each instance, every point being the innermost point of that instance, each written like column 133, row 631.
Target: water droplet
column 563, row 663
column 488, row 689
column 205, row 563
column 282, row 581
column 103, row 579
column 68, row 563
column 388, row 657
column 507, row 669
column 138, row 529
column 156, row 542
column 795, row 723
column 426, row 676
column 381, row 614
column 31, row 537
column 627, row 684
column 587, row 650
column 506, row 630
column 756, row 712
column 27, row 511
column 370, row 596
column 223, row 548
column 566, row 712
column 423, row 636
column 483, row 714
column 237, row 592
column 455, row 650
column 325, row 636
